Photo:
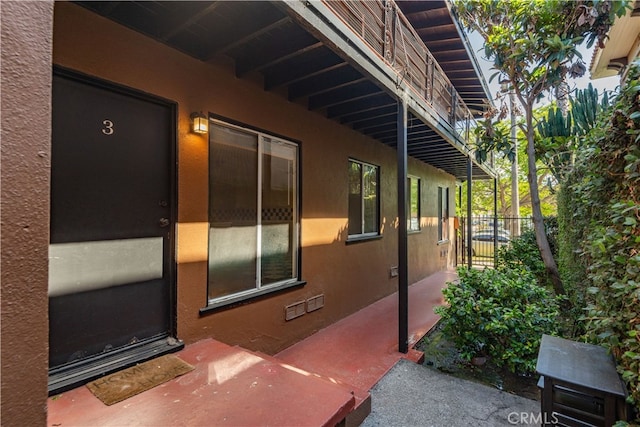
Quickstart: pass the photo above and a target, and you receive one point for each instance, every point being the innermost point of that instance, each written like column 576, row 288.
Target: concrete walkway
column 413, row 395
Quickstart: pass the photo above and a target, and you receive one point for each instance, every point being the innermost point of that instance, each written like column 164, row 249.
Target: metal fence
column 488, row 234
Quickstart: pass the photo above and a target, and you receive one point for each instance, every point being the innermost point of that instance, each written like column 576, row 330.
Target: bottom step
column 360, row 412
column 362, row 399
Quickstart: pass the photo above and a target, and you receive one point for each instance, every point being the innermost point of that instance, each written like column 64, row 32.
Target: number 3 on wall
column 108, row 127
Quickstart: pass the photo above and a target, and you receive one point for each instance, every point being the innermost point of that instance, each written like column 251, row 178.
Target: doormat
column 123, row 384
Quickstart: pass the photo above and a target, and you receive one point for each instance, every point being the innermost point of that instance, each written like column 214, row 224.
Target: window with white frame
column 364, row 200
column 443, row 213
column 413, row 208
column 253, row 212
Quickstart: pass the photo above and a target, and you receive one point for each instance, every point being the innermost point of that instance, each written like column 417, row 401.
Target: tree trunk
column 538, row 220
column 562, row 97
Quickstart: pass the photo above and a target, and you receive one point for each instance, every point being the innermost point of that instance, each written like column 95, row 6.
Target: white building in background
column 621, row 47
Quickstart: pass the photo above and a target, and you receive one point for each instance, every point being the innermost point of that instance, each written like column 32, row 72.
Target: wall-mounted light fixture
column 199, row 123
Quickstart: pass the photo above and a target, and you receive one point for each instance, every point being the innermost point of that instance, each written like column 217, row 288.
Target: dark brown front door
column 111, row 257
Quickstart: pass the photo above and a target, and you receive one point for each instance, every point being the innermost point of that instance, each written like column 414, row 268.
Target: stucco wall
column 350, row 276
column 26, row 128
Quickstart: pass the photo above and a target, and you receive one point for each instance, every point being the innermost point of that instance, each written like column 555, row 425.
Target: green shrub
column 498, row 313
column 524, row 252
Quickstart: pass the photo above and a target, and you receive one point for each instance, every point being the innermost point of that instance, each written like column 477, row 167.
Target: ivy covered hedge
column 600, row 231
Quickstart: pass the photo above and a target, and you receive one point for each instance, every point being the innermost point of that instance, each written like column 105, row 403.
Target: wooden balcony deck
column 384, row 28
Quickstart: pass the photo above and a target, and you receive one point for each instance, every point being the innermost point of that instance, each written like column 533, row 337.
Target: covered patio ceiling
column 263, row 40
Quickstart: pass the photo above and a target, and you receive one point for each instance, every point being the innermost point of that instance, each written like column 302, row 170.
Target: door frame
column 74, row 374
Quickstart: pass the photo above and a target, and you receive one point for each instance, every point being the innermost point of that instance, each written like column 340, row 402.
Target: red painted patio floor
column 316, row 382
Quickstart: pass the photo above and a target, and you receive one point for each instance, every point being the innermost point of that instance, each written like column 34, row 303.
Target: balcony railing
column 382, row 25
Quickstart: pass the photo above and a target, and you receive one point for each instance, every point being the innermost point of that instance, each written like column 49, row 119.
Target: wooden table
column 581, row 386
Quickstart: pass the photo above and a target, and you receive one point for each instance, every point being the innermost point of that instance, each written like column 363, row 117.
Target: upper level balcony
column 386, row 30
column 398, row 33
column 352, row 61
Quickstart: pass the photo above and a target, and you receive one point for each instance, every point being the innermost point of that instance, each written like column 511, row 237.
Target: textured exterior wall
column 26, row 129
column 351, row 276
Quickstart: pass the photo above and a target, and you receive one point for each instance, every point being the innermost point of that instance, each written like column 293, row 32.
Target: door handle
column 164, row 222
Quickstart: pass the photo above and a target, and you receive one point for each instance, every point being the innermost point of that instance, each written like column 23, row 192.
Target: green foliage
column 500, row 313
column 586, row 107
column 571, row 263
column 534, row 42
column 555, row 125
column 493, row 137
column 482, row 193
column 534, row 46
column 523, row 252
column 603, row 203
column 559, row 137
column 553, row 144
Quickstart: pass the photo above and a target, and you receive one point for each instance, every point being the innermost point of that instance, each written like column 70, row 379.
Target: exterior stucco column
column 25, row 88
